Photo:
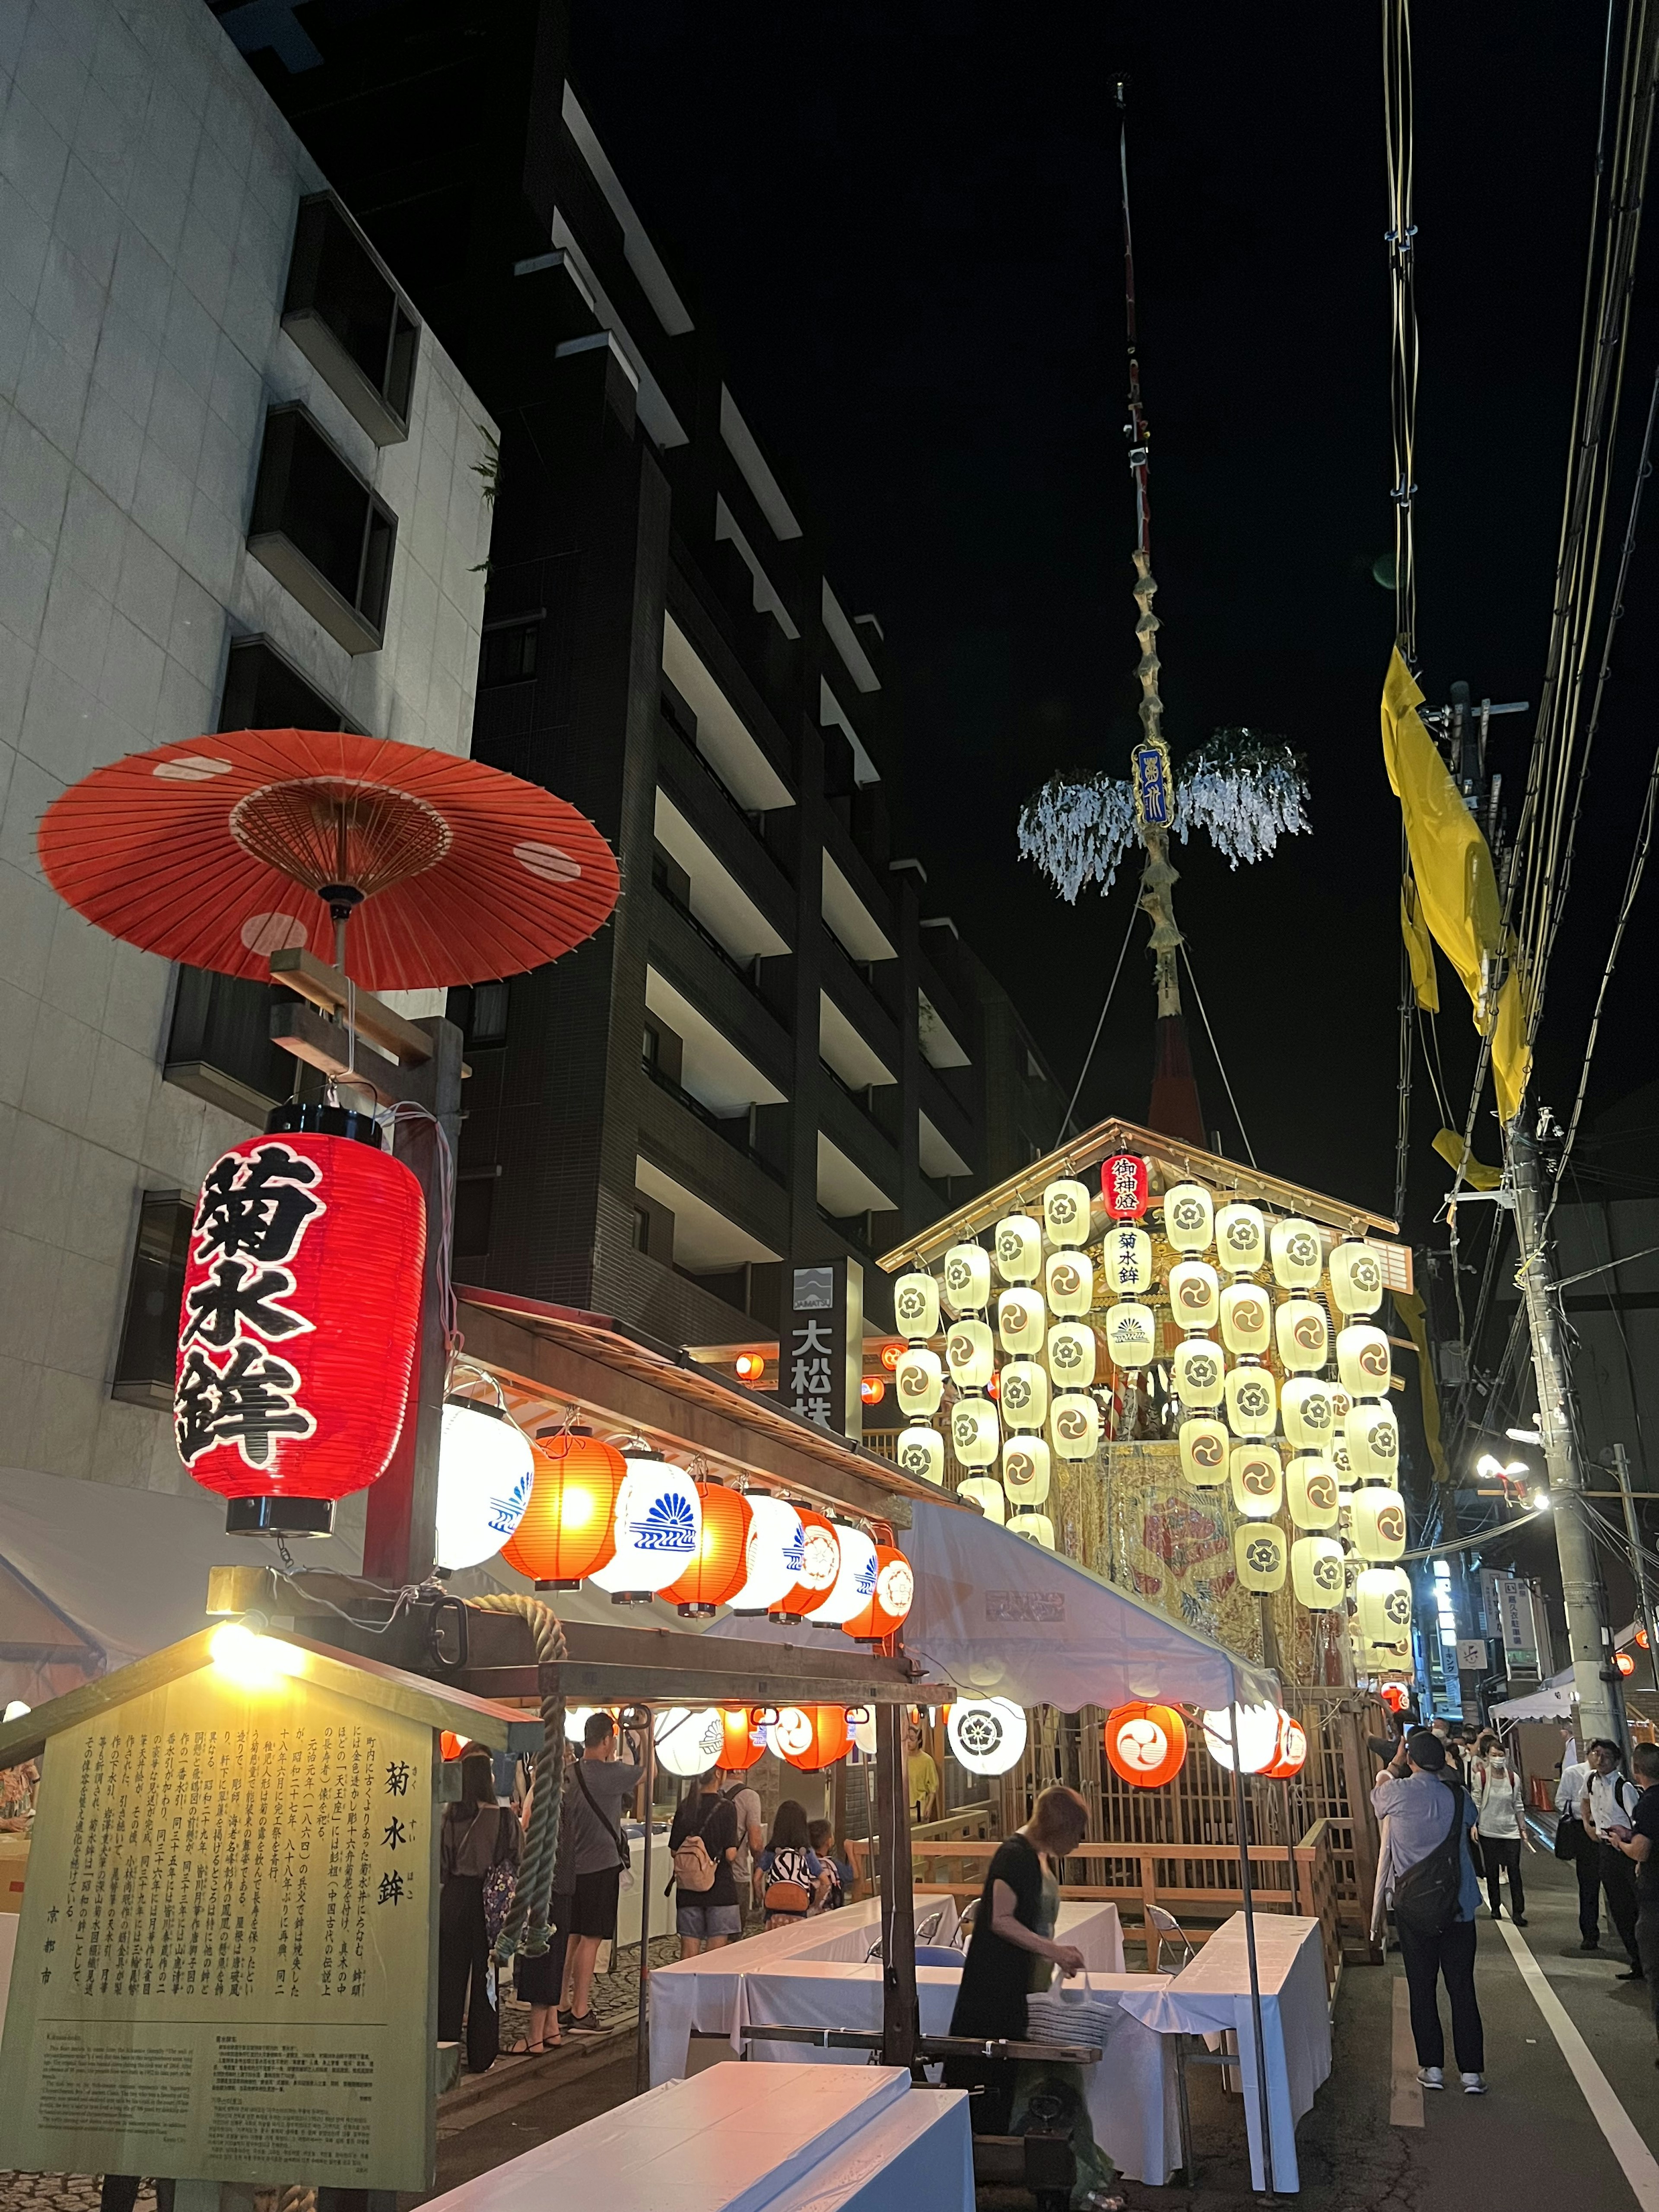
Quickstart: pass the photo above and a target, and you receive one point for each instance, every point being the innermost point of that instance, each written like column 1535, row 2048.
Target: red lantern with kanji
column 811, row 1737
column 890, row 1601
column 299, row 1317
column 569, row 1529
column 1146, row 1744
column 1292, row 1754
column 739, row 1749
column 1123, row 1185
column 719, row 1566
column 820, row 1566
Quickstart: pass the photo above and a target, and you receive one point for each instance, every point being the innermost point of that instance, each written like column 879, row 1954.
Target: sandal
column 523, row 2050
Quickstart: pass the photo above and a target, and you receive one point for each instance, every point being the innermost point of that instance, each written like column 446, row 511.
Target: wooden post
column 899, row 2025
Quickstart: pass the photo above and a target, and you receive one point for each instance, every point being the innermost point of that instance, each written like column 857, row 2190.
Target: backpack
column 1425, row 1896
column 694, row 1868
column 788, row 1890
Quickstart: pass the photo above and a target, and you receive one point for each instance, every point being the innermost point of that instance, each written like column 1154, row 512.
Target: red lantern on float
column 1395, row 1695
column 820, row 1566
column 568, row 1527
column 1624, row 1662
column 1146, row 1744
column 891, row 1354
column 299, row 1322
column 739, row 1750
column 1292, row 1754
column 1123, row 1185
column 889, row 1602
column 719, row 1566
column 811, row 1737
column 872, row 1389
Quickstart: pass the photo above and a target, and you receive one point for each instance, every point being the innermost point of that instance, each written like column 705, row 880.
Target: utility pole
column 1620, row 1459
column 1601, row 1708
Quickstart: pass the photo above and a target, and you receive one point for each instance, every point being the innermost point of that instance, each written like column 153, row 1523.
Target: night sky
column 904, row 221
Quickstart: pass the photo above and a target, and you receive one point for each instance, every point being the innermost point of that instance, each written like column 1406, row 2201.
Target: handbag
column 500, row 1884
column 1425, row 1896
column 1569, row 1836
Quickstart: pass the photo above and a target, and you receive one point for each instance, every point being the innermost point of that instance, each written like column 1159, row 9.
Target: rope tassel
column 527, row 1927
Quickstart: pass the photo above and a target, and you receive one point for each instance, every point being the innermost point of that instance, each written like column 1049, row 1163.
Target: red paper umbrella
column 205, row 851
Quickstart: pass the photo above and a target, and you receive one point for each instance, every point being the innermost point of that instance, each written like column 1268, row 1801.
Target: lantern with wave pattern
column 568, row 1528
column 658, row 1523
column 773, row 1555
column 486, row 1466
column 720, row 1565
column 688, row 1741
column 1146, row 1744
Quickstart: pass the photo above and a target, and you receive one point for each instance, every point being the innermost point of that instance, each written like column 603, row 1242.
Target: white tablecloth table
column 631, row 1902
column 1213, row 1994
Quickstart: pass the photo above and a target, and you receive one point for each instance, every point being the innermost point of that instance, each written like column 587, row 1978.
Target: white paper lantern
column 688, row 1741
column 1363, row 1362
column 1376, row 1517
column 1069, row 1283
column 1195, row 1293
column 976, row 1435
column 1297, row 1254
column 1018, row 1241
column 1258, row 1481
column 987, row 1734
column 1259, row 1557
column 1072, row 1356
column 1246, row 1319
column 1036, row 1528
column 967, row 1279
column 1311, row 1491
column 1252, row 1401
column 1302, row 1336
column 1255, row 1729
column 1372, row 1435
column 915, row 1305
column 985, row 1492
column 1074, row 1424
column 855, row 1579
column 970, row 1354
column 918, row 1381
column 1341, row 1463
column 1025, row 1470
column 775, row 1552
column 1383, row 1595
column 1131, row 1335
column 1023, row 1394
column 1316, row 1575
column 1197, row 1371
column 1189, row 1216
column 576, row 1718
column 1126, row 1259
column 1356, row 1278
column 1204, row 1446
column 920, row 1453
column 1308, row 1409
column 485, row 1468
column 1241, row 1238
column 862, row 1733
column 1021, row 1319
column 1065, row 1211
column 658, row 1526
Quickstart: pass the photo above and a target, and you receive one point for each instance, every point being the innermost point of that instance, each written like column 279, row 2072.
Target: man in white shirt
column 1606, row 1807
column 1572, row 1843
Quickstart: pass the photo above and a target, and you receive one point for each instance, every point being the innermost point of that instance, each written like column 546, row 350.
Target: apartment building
column 239, row 486
column 777, row 1055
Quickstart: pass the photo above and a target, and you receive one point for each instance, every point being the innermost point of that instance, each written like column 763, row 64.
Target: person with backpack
column 1428, row 1867
column 842, row 1880
column 1497, row 1794
column 1606, row 1808
column 703, row 1845
column 794, row 1879
column 479, row 1845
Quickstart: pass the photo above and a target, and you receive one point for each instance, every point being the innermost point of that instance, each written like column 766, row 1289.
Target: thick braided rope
column 526, row 1926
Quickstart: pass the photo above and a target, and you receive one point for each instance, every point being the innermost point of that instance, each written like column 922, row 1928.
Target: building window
column 479, row 1010
column 349, row 319
column 641, row 1229
column 651, row 1045
column 322, row 531
column 264, row 690
column 475, row 1212
column 508, row 654
column 149, row 1334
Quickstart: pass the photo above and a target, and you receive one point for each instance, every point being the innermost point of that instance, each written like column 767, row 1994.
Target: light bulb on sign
column 253, row 1661
column 987, row 1734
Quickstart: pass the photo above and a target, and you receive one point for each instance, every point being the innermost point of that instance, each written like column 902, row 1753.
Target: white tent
column 1552, row 1700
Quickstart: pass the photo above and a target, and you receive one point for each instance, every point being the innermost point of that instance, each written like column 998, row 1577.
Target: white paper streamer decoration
column 1189, row 1216
column 1065, row 1211
column 1074, row 1424
column 1071, row 1356
column 1069, row 1282
column 1018, row 1248
column 915, row 1305
column 967, row 1279
column 1297, row 1254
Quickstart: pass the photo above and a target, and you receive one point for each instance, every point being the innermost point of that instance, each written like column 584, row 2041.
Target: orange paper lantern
column 820, row 1566
column 568, row 1526
column 1146, row 1744
column 1624, row 1662
column 450, row 1745
column 890, row 1601
column 811, row 1737
column 1292, row 1754
column 719, row 1566
column 1394, row 1696
column 739, row 1750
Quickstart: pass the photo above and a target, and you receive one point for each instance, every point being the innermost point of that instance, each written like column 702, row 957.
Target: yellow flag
column 1420, row 949
column 1476, row 1173
column 1511, row 1056
column 1410, row 1311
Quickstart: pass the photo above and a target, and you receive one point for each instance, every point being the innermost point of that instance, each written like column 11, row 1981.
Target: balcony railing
column 749, row 821
column 728, row 1130
column 746, row 977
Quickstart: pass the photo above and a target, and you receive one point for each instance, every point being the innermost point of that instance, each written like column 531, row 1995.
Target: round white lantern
column 485, row 1468
column 688, row 1741
column 862, row 1733
column 1023, row 1394
column 855, row 1579
column 1126, row 1258
column 1309, row 1412
column 775, row 1554
column 1068, row 1280
column 1316, row 1575
column 1131, row 1334
column 1065, row 1211
column 1025, row 1470
column 576, row 1718
column 1036, row 1528
column 1297, row 1254
column 970, row 1354
column 658, row 1526
column 1259, row 1557
column 1363, row 1361
column 915, row 1305
column 1241, row 1238
column 1252, row 1401
column 1197, row 1371
column 1189, row 1216
column 1018, row 1241
column 1341, row 1462
column 985, row 1492
column 987, row 1734
column 976, row 1435
column 1356, row 1278
column 1372, row 1435
column 967, row 1279
column 1021, row 1319
column 1074, row 1424
column 1205, row 1445
column 1195, row 1293
column 1246, row 1319
column 1255, row 1729
column 1302, row 1335
column 1258, row 1481
column 918, row 1381
column 1383, row 1595
column 1071, row 1356
column 1377, row 1517
column 1310, row 1488
column 920, row 1453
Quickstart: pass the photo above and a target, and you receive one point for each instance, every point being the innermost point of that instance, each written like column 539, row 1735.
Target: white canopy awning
column 1553, row 1701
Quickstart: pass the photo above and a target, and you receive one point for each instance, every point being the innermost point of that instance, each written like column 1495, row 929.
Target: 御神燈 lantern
column 567, row 1529
column 485, row 1469
column 719, row 1566
column 1123, row 1185
column 1146, row 1744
